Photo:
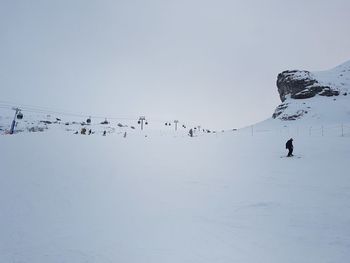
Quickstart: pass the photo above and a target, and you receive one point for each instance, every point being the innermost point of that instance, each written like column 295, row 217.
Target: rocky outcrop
column 297, row 88
column 301, row 85
column 279, row 110
column 293, row 117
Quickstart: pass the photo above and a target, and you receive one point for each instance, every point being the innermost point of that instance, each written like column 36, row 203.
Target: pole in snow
column 342, row 130
column 14, row 120
column 176, row 122
column 142, row 120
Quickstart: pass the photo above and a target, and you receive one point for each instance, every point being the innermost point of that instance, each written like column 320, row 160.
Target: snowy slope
column 338, row 78
column 161, row 196
column 219, row 198
column 46, row 121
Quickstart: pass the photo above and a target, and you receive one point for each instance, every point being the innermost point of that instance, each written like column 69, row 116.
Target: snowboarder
column 289, row 146
column 190, row 133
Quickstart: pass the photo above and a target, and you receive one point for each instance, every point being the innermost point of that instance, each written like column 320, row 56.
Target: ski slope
column 226, row 197
column 159, row 196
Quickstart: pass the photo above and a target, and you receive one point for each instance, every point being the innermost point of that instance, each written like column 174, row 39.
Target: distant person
column 104, row 133
column 90, row 131
column 289, row 146
column 190, row 133
column 124, row 135
column 83, row 131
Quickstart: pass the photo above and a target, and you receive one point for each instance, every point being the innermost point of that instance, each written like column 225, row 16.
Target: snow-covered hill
column 315, row 97
column 33, row 119
column 38, row 120
column 217, row 197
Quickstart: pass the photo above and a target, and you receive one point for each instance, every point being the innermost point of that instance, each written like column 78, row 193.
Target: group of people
column 289, row 143
column 84, row 131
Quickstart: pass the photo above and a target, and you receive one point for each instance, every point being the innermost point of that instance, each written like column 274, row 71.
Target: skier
column 83, row 131
column 104, row 133
column 289, row 146
column 190, row 133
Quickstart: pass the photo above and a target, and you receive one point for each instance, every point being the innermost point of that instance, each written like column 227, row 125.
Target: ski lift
column 20, row 116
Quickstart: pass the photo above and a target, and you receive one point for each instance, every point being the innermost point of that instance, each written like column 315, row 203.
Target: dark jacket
column 289, row 144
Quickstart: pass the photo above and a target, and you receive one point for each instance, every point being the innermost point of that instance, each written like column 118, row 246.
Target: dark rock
column 294, row 116
column 279, row 110
column 46, row 122
column 301, row 85
column 328, row 92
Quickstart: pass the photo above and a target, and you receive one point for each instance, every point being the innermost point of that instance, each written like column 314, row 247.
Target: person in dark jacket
column 83, row 131
column 190, row 133
column 289, row 146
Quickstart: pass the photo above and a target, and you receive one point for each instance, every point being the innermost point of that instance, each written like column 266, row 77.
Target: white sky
column 212, row 62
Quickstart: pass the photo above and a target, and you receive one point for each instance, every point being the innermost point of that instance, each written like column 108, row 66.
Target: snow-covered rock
column 301, row 94
column 301, row 85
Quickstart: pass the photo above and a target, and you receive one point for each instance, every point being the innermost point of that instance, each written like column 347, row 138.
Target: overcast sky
column 213, row 62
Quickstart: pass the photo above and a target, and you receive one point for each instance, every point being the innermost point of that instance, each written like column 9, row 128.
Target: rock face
column 279, row 110
column 298, row 87
column 301, row 85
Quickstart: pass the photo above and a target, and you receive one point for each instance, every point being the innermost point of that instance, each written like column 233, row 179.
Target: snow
column 339, row 77
column 226, row 197
column 320, row 110
column 160, row 196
